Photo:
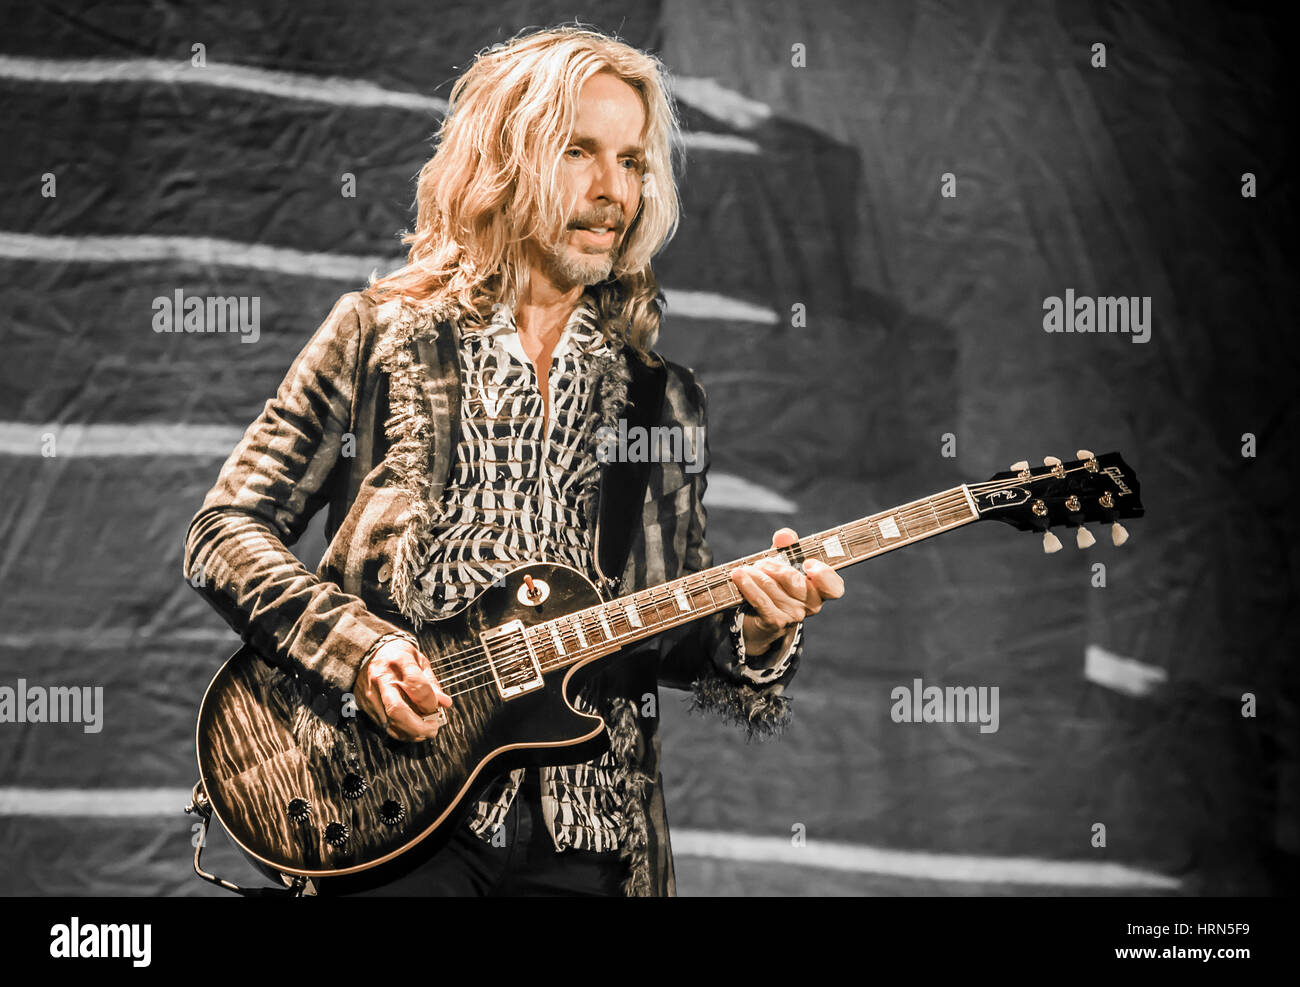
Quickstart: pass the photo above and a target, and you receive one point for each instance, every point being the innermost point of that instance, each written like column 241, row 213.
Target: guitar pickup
column 511, row 659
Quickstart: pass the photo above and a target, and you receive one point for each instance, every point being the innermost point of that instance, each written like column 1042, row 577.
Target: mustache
column 613, row 221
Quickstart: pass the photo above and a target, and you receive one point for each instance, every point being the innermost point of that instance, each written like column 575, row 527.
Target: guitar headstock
column 1087, row 489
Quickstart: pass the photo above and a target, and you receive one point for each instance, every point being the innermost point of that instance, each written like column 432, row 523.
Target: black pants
column 528, row 863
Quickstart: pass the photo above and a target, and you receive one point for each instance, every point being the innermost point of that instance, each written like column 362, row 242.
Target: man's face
column 600, row 176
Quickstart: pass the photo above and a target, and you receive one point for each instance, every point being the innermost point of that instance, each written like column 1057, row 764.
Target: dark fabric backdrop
column 822, row 188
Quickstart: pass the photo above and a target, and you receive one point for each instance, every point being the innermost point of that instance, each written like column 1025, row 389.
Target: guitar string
column 460, row 670
column 475, row 663
column 471, row 667
column 917, row 510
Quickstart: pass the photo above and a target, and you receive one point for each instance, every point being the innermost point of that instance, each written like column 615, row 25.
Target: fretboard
column 628, row 619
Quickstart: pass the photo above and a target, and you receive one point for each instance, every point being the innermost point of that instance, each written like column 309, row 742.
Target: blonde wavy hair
column 493, row 181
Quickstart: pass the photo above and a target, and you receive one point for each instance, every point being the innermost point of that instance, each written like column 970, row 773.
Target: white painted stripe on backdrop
column 967, row 868
column 846, row 857
column 192, row 250
column 1126, row 675
column 248, row 78
column 31, row 439
column 334, row 90
column 286, row 260
column 48, row 439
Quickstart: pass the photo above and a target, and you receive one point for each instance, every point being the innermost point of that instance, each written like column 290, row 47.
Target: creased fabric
column 374, row 374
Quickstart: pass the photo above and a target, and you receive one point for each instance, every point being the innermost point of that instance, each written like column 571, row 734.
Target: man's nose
column 607, row 185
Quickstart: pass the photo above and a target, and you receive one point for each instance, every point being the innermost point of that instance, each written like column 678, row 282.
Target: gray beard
column 568, row 273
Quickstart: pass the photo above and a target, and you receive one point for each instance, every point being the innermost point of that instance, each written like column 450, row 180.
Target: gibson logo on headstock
column 1117, row 475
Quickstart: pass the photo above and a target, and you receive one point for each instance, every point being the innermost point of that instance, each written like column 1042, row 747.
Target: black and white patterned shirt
column 516, row 495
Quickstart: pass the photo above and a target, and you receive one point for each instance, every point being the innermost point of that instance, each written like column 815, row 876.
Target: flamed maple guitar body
column 310, row 792
column 262, row 745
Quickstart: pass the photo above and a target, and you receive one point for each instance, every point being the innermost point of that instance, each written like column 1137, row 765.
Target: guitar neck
column 628, row 619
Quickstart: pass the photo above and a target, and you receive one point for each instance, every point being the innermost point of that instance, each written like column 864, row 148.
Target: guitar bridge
column 511, row 659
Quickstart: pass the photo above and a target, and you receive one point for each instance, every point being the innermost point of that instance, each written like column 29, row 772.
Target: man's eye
column 574, row 151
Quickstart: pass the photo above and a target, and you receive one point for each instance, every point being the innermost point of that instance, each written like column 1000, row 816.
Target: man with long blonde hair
column 470, row 390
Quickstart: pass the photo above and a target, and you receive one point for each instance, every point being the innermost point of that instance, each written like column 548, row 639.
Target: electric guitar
column 307, row 793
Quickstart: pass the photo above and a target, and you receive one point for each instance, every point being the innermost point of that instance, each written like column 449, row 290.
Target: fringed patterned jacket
column 364, row 425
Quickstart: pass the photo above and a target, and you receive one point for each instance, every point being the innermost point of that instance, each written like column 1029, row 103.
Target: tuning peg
column 1084, row 454
column 1083, row 537
column 1051, row 543
column 1051, row 461
column 1118, row 534
column 1020, row 466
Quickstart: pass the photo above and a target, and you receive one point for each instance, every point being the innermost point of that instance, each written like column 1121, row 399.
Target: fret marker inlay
column 711, row 591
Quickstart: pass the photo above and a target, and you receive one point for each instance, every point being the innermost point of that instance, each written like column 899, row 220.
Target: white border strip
column 28, row 440
column 285, row 260
column 737, row 493
column 721, row 143
column 191, row 249
column 284, row 85
column 720, row 102
column 1126, row 675
column 857, row 858
column 707, row 305
column 103, row 441
column 121, row 803
column 104, row 803
column 333, row 90
column 78, row 640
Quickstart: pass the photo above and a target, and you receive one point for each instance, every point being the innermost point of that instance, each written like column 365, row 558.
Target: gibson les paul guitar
column 307, row 793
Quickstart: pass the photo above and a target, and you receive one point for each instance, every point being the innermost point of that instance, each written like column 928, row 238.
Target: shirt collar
column 581, row 329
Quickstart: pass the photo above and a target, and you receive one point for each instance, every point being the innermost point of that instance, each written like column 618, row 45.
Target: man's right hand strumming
column 396, row 688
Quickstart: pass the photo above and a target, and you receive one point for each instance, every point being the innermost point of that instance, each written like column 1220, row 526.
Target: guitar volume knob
column 336, row 835
column 354, row 786
column 299, row 809
column 392, row 812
